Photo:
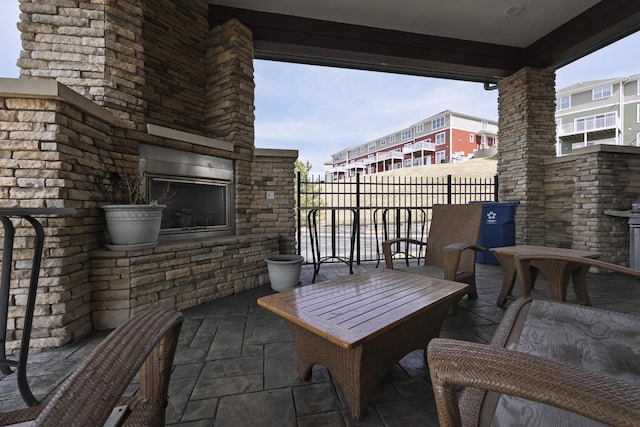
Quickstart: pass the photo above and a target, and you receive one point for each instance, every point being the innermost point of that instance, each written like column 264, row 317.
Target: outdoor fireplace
column 201, row 192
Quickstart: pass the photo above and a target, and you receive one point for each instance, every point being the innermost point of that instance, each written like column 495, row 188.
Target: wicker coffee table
column 359, row 326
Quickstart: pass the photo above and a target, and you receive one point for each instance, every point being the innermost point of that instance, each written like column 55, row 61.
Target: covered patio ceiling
column 458, row 39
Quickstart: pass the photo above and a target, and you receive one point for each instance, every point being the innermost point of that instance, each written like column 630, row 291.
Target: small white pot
column 284, row 271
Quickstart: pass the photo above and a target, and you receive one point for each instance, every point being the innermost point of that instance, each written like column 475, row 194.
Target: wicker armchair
column 146, row 343
column 450, row 246
column 574, row 370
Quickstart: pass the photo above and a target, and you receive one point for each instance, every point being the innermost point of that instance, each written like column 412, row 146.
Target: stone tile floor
column 236, row 366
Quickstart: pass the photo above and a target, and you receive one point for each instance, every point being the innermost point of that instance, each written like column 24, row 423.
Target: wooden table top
column 544, row 250
column 353, row 309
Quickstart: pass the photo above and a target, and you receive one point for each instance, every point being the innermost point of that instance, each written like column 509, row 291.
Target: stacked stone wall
column 579, row 188
column 65, row 41
column 606, row 178
column 273, row 176
column 51, row 153
column 175, row 67
column 176, row 275
column 558, row 202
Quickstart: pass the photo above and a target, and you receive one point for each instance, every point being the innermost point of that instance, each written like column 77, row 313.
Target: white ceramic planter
column 133, row 226
column 284, row 271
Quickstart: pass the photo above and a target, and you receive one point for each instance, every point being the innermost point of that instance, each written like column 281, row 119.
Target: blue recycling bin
column 498, row 228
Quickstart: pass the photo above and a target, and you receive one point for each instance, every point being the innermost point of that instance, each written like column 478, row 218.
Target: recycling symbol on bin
column 491, row 217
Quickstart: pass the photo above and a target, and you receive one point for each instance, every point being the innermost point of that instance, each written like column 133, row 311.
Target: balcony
column 391, row 155
column 589, row 124
column 339, row 169
column 357, row 164
column 419, row 146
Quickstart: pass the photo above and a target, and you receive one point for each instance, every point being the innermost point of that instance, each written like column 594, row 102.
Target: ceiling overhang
column 320, row 42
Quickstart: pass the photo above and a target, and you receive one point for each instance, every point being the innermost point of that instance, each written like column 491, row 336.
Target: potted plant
column 133, row 224
column 284, row 271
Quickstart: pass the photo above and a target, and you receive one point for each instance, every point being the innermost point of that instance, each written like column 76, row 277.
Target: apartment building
column 598, row 112
column 445, row 137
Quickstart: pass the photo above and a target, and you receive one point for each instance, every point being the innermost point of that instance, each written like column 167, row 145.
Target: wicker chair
column 450, row 246
column 549, row 362
column 146, row 343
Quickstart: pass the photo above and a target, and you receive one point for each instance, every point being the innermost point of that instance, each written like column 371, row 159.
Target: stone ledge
column 192, row 138
column 599, row 148
column 184, row 245
column 51, row 89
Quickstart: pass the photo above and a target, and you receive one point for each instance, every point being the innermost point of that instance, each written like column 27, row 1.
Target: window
column 485, row 125
column 383, row 141
column 420, row 128
column 353, row 153
column 563, row 103
column 441, row 156
column 637, row 144
column 638, row 113
column 406, row 134
column 392, row 138
column 372, row 147
column 441, row 138
column 407, row 163
column 471, row 137
column 437, row 123
column 602, row 92
column 336, row 158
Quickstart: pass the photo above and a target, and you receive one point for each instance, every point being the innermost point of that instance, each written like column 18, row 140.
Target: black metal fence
column 357, row 214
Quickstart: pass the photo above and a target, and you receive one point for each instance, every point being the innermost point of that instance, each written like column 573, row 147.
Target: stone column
column 94, row 48
column 526, row 107
column 230, row 108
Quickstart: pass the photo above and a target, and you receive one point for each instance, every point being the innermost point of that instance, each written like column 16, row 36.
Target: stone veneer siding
column 579, row 188
column 176, row 275
column 526, row 130
column 60, row 147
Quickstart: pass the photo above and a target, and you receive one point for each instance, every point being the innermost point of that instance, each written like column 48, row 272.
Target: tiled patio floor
column 236, row 365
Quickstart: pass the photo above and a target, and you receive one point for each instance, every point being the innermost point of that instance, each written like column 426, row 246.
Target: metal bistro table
column 312, row 221
column 5, row 283
column 398, row 222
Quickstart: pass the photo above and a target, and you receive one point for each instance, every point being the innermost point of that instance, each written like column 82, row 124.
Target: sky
column 320, row 110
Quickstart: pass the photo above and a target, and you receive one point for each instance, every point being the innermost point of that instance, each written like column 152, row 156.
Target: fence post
column 299, row 203
column 449, row 189
column 358, row 218
column 495, row 188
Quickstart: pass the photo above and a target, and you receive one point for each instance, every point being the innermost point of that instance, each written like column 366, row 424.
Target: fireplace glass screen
column 192, row 205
